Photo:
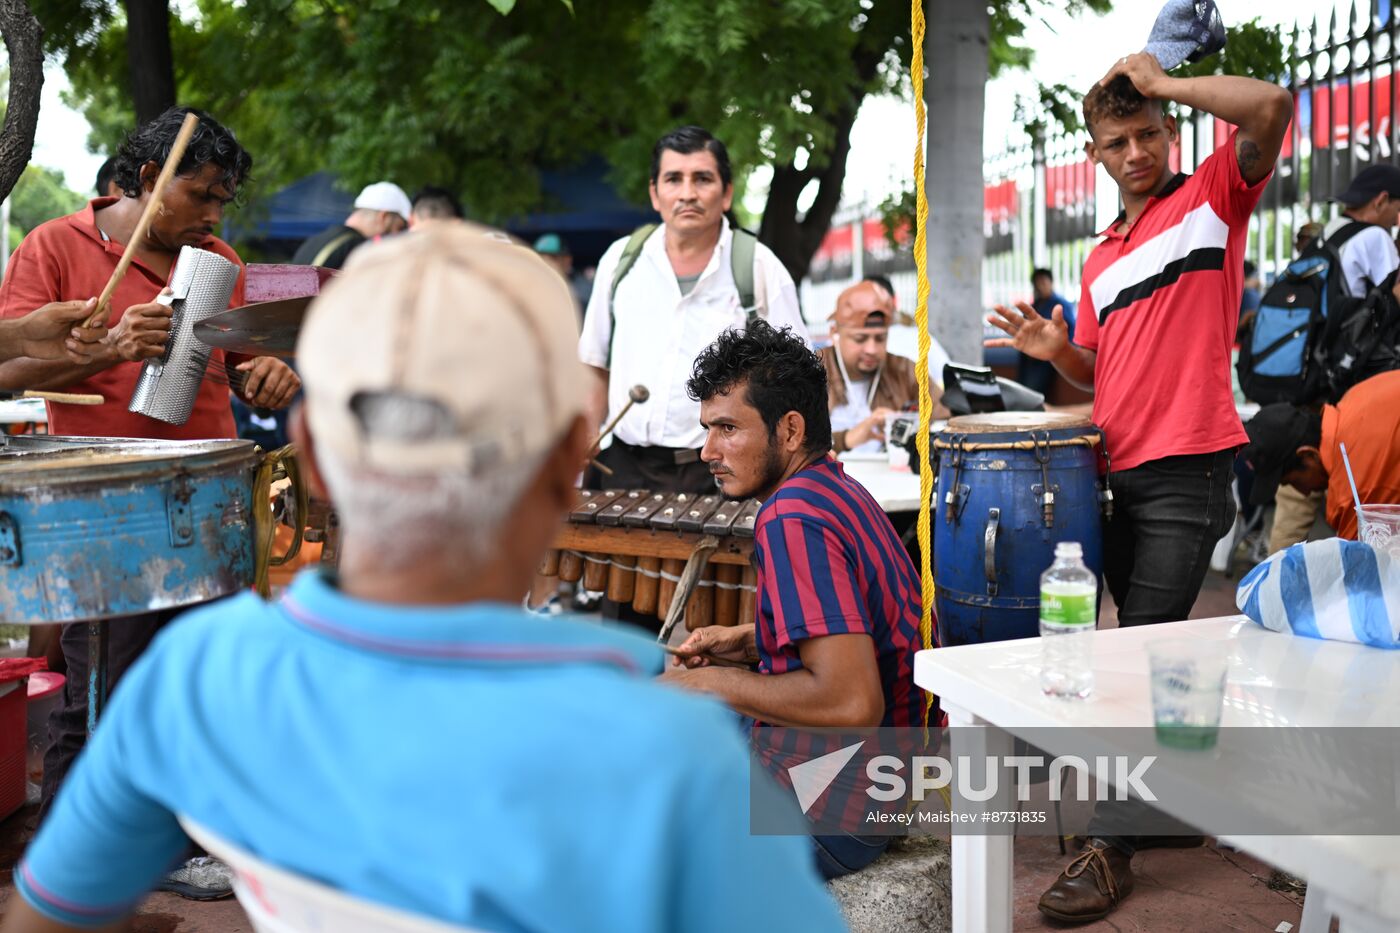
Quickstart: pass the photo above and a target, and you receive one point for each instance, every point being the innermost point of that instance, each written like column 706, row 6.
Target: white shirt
column 659, row 332
column 853, row 412
column 1367, row 258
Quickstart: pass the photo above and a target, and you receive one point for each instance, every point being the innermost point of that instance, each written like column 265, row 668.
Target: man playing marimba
column 838, row 600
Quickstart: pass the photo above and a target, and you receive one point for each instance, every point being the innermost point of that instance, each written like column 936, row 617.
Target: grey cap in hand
column 1186, row 31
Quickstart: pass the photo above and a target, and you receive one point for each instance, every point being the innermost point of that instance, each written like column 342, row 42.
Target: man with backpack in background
column 1361, row 235
column 660, row 297
column 1302, row 349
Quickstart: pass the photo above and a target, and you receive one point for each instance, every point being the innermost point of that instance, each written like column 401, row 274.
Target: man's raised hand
column 1143, row 69
column 1033, row 335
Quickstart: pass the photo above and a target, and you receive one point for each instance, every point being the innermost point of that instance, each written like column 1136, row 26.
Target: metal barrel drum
column 96, row 528
column 1011, row 485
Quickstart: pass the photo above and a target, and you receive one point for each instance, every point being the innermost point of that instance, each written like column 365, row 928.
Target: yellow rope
column 921, row 318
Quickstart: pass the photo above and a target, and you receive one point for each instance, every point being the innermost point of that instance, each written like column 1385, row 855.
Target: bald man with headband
column 865, row 382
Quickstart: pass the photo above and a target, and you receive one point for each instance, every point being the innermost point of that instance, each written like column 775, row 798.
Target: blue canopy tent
column 584, row 210
column 278, row 224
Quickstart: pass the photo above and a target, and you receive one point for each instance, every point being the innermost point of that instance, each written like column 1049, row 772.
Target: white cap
column 385, row 196
column 456, row 316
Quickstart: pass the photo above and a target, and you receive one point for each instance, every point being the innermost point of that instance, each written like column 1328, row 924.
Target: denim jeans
column 844, row 853
column 1168, row 515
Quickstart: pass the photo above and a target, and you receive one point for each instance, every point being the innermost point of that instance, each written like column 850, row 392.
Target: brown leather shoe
column 1091, row 886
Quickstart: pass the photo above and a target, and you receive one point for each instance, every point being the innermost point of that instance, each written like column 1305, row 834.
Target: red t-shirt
column 68, row 259
column 1159, row 306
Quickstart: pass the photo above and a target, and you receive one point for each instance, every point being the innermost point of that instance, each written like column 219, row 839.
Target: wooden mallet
column 167, row 171
column 638, row 393
column 635, row 395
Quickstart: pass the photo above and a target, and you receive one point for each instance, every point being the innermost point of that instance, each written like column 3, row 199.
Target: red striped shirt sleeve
column 811, row 581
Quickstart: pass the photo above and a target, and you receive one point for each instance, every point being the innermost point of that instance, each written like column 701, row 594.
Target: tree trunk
column 956, row 54
column 795, row 241
column 24, row 42
column 149, row 59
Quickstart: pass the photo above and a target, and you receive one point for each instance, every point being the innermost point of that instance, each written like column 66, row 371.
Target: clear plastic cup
column 1188, row 690
column 1379, row 526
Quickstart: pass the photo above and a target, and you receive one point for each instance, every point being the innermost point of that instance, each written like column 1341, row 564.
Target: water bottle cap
column 1069, row 549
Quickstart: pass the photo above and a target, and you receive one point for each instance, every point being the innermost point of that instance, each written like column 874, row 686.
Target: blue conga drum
column 1011, row 485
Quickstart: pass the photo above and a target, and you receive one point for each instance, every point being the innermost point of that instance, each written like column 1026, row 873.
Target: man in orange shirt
column 1302, row 449
column 70, row 259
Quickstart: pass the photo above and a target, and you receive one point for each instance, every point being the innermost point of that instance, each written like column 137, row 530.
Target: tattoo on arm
column 1248, row 156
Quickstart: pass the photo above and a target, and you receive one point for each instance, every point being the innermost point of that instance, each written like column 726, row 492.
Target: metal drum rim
column 968, row 424
column 19, row 478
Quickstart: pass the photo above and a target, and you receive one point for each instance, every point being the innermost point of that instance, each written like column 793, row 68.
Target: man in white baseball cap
column 405, row 732
column 381, row 209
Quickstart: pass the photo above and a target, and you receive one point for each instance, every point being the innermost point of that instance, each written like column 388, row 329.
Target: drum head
column 1002, row 422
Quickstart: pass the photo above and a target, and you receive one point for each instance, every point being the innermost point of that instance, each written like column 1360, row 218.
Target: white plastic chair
column 278, row 901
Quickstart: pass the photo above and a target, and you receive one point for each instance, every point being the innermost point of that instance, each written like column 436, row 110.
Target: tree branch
column 24, row 42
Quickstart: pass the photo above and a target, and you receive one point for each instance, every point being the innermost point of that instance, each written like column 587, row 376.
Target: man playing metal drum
column 1161, row 294
column 71, row 259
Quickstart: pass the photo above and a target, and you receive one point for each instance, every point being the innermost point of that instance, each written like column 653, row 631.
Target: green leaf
column 502, row 6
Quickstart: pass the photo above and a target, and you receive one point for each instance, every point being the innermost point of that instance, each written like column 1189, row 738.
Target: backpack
column 742, row 255
column 1282, row 358
column 1366, row 342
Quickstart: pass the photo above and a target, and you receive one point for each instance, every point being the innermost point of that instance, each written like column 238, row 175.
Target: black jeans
column 127, row 638
column 1168, row 515
column 653, row 468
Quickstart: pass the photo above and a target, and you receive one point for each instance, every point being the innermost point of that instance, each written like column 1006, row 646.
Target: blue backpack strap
column 625, row 262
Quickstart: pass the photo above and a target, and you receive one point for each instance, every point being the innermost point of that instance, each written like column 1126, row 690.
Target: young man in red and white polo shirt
column 1161, row 296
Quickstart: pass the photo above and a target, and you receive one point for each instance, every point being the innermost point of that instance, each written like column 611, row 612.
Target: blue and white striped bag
column 1336, row 589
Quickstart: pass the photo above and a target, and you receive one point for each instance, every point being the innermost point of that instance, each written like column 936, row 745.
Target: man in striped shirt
column 1157, row 318
column 837, row 613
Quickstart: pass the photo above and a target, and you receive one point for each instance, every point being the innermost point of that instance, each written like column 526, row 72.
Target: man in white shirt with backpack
column 1368, row 254
column 660, row 297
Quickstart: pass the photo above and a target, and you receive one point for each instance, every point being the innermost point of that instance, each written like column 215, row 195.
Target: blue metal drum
column 1011, row 485
column 93, row 528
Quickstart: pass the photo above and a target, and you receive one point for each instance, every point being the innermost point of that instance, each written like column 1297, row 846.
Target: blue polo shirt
column 474, row 764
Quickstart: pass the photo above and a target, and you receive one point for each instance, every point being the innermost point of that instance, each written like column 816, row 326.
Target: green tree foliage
column 459, row 95
column 41, row 195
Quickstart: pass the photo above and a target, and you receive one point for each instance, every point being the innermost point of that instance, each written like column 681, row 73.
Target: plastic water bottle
column 1068, row 610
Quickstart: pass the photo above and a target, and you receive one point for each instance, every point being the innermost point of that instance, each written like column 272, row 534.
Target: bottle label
column 1067, row 608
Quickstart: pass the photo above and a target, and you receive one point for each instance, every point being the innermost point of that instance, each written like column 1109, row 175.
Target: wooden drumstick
column 635, row 395
column 67, row 398
column 167, row 171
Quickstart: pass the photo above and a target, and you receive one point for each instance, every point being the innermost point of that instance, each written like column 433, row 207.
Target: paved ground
column 1177, row 890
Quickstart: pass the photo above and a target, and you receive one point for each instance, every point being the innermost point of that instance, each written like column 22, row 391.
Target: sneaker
column 200, row 879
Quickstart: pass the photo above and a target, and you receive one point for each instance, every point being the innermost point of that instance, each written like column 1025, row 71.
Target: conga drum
column 1011, row 485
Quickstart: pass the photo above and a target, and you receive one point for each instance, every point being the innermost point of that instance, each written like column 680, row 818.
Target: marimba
column 672, row 555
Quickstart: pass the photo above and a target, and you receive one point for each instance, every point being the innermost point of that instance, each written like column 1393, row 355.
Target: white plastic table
column 1274, row 680
column 895, row 490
